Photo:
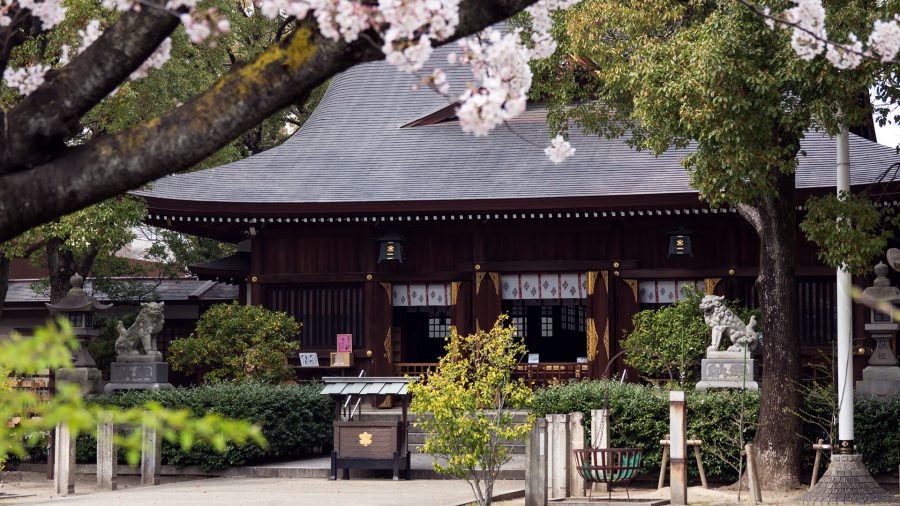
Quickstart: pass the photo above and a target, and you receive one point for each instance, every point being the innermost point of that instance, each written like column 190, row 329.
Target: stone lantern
column 79, row 308
column 882, row 376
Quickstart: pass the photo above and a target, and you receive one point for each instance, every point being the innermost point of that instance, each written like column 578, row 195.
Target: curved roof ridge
column 353, row 149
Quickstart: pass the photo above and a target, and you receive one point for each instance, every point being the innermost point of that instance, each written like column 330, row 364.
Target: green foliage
column 640, row 418
column 295, row 419
column 877, row 432
column 240, row 343
column 668, row 73
column 51, row 348
column 463, row 405
column 848, row 229
column 176, row 251
column 674, row 335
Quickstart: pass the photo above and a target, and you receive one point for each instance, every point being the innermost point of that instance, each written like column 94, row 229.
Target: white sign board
column 534, row 358
column 309, row 360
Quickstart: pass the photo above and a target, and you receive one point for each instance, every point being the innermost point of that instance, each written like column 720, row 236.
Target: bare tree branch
column 79, row 176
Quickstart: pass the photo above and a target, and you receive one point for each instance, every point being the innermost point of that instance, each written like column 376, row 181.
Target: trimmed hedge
column 295, row 420
column 640, row 418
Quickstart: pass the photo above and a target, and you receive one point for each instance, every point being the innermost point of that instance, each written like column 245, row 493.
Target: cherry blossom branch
column 809, row 39
column 34, row 130
column 79, row 176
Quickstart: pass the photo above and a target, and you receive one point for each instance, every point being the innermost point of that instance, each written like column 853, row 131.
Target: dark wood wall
column 720, row 240
column 625, row 248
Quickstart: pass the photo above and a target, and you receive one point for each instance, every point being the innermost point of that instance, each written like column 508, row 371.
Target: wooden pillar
column 461, row 306
column 487, row 299
column 256, row 268
column 599, row 345
column 626, row 305
column 378, row 321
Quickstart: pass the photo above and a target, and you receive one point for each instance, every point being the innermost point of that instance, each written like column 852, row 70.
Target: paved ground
column 258, row 492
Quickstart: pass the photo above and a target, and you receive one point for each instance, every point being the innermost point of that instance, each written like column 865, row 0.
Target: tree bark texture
column 36, row 188
column 4, row 279
column 778, row 441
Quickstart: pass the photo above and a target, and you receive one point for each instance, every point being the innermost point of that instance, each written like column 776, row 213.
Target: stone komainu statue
column 142, row 333
column 724, row 322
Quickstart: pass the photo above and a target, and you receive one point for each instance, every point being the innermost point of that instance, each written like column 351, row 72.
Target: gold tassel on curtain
column 592, row 339
column 388, row 340
column 710, row 285
column 389, row 348
column 478, row 277
column 495, row 277
column 591, row 279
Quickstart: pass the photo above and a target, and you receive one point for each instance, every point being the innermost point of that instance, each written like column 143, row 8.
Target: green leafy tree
column 25, row 416
column 712, row 75
column 463, row 405
column 239, row 343
column 850, row 230
column 672, row 338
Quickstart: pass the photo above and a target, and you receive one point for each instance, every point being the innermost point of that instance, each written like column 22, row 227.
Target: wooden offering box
column 364, row 444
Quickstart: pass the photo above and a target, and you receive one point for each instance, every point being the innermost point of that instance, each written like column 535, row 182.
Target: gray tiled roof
column 352, row 149
column 169, row 290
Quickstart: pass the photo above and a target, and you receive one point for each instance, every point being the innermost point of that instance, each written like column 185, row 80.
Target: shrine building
column 380, row 218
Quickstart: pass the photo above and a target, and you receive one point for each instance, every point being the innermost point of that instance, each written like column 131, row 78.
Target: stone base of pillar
column 847, row 482
column 89, row 379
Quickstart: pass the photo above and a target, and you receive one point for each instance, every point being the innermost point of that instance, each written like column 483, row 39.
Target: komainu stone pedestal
column 727, row 369
column 136, row 375
column 847, row 482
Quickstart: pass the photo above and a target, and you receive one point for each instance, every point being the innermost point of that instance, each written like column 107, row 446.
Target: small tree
column 463, row 406
column 673, row 337
column 235, row 342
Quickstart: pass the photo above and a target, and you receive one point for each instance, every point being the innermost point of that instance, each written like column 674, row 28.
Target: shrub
column 235, row 342
column 877, row 431
column 639, row 417
column 295, row 420
column 674, row 335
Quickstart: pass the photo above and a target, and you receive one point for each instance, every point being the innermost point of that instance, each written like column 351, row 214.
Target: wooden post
column 662, row 467
column 576, row 483
column 815, row 473
column 106, row 453
column 64, row 461
column 752, row 475
column 678, row 443
column 700, row 463
column 536, row 465
column 151, row 456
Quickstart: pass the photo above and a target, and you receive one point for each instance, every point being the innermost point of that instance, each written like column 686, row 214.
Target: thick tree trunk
column 778, row 436
column 60, row 268
column 4, row 279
